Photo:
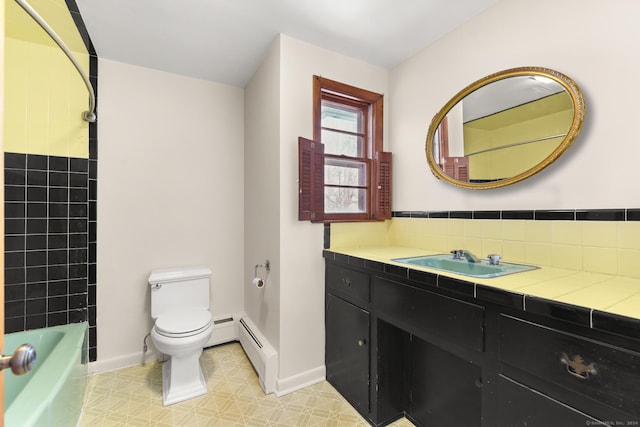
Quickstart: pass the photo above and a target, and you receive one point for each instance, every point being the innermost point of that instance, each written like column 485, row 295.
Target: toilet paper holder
column 266, row 266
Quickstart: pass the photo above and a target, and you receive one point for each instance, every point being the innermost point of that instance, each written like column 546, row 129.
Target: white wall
column 278, row 108
column 593, row 42
column 262, row 194
column 170, row 191
column 302, row 265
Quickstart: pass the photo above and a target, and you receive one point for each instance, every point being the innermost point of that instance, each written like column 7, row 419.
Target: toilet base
column 182, row 379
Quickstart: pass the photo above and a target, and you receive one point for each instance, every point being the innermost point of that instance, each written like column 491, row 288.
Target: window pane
column 340, row 117
column 344, row 200
column 341, row 144
column 345, row 172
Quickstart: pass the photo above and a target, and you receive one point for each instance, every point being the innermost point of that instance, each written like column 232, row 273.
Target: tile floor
column 133, row 397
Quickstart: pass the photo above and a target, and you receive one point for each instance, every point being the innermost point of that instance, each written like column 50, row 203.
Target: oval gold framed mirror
column 504, row 128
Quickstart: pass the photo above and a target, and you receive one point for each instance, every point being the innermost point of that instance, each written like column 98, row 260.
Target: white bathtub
column 51, row 394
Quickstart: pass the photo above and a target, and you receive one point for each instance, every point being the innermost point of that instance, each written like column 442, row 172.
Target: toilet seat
column 183, row 323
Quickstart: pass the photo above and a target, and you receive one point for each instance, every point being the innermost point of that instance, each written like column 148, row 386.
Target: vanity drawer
column 606, row 373
column 352, row 284
column 427, row 314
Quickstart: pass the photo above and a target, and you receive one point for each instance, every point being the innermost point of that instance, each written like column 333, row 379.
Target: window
column 343, row 173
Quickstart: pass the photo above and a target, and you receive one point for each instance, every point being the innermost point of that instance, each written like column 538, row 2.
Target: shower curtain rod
column 515, row 144
column 90, row 115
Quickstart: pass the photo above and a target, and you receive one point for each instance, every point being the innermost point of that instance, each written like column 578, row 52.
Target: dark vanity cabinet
column 405, row 343
column 411, row 356
column 347, row 351
column 444, row 351
column 554, row 373
column 347, row 332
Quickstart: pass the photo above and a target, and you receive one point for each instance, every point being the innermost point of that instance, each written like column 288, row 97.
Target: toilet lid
column 183, row 322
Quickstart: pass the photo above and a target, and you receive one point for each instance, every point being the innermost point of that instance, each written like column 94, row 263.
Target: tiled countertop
column 595, row 295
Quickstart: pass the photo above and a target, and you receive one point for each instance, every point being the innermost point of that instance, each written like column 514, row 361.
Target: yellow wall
column 507, row 128
column 607, row 247
column 44, row 94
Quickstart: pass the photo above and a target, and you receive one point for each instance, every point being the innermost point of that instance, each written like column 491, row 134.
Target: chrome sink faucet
column 494, row 259
column 469, row 256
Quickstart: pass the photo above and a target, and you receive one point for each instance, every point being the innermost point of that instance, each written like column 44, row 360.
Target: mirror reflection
column 504, row 128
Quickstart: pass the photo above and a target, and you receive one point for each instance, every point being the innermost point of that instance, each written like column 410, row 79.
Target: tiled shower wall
column 50, row 232
column 46, row 241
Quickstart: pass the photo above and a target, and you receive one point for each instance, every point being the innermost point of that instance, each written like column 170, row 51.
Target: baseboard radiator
column 262, row 355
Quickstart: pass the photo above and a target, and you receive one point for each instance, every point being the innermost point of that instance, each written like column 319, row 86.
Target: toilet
column 183, row 325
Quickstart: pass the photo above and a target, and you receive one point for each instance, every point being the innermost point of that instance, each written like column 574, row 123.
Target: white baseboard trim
column 119, row 362
column 223, row 332
column 300, row 381
column 225, row 329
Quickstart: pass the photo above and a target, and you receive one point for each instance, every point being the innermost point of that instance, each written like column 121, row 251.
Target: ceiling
column 502, row 95
column 225, row 40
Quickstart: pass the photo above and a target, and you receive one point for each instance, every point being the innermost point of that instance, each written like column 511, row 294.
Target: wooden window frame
column 456, row 167
column 312, row 156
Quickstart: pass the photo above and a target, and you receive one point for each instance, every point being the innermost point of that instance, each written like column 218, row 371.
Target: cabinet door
column 520, row 406
column 347, row 351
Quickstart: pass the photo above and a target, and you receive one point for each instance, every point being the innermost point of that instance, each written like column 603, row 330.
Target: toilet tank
column 184, row 287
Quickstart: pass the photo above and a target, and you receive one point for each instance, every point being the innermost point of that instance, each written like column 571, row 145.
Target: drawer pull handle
column 577, row 367
column 362, row 342
column 346, row 281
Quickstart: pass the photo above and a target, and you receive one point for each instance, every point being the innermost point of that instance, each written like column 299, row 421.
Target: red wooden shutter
column 456, row 168
column 310, row 180
column 462, row 166
column 382, row 189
